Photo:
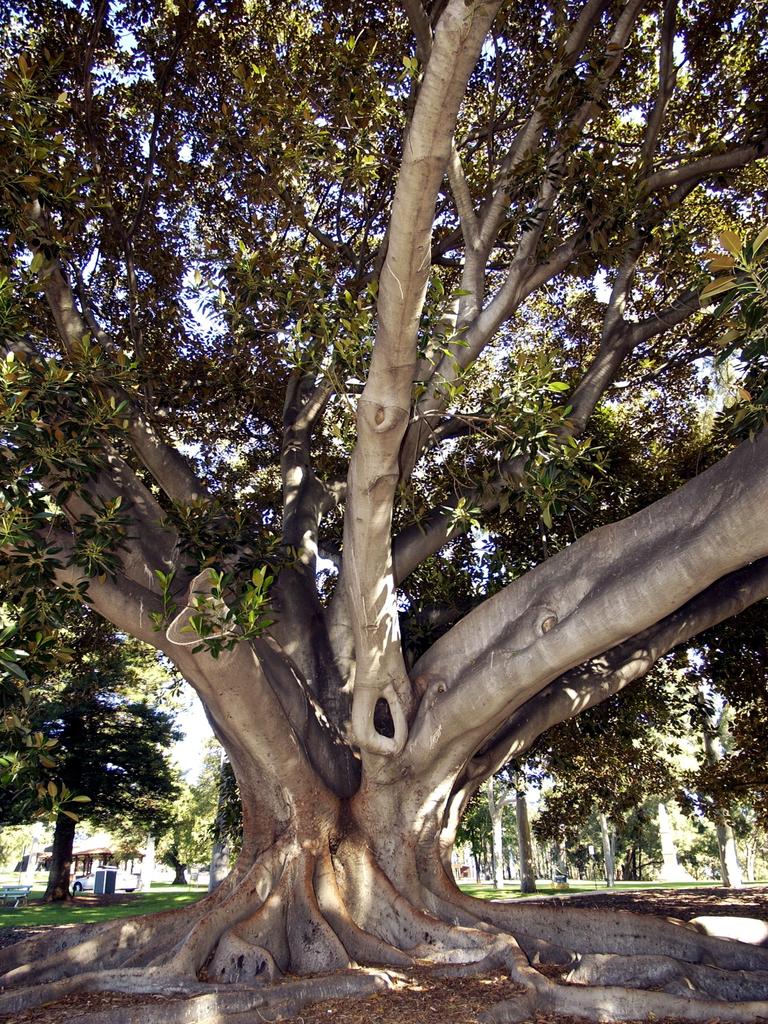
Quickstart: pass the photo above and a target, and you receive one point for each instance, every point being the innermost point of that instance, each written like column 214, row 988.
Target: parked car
column 124, row 882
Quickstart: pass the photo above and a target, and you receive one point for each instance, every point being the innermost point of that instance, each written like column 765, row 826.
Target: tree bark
column 496, row 805
column 148, row 864
column 58, row 888
column 608, row 856
column 324, row 883
column 671, row 870
column 730, row 869
column 527, row 868
column 180, row 876
column 219, row 864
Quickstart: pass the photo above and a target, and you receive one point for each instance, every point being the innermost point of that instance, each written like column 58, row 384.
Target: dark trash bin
column 105, row 881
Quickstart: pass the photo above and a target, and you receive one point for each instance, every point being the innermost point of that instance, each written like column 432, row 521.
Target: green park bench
column 15, row 894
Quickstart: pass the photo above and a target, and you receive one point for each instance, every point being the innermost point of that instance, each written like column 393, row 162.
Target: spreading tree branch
column 698, row 170
column 601, row 678
column 610, row 584
column 167, row 465
column 667, row 80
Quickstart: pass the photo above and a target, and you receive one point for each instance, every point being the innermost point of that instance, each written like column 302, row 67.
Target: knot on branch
column 549, row 623
column 380, row 418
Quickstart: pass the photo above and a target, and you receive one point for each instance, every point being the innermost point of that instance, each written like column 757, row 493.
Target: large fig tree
column 313, row 312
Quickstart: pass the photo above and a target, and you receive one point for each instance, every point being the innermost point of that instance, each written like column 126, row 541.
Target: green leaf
column 730, row 241
column 717, row 287
column 760, row 241
column 16, row 670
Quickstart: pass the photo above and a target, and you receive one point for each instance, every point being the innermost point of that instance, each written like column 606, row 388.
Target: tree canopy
column 336, row 338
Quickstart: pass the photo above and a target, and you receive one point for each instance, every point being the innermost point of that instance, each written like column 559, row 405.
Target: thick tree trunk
column 219, row 868
column 343, row 864
column 730, row 869
column 326, row 883
column 57, row 889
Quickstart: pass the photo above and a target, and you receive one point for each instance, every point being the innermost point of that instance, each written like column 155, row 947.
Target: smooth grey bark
column 730, row 869
column 525, row 846
column 497, row 801
column 219, row 867
column 671, row 870
column 608, row 854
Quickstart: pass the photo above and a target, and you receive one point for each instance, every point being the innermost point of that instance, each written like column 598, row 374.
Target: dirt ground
column 419, row 998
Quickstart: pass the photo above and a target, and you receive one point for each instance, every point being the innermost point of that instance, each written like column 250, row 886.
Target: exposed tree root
column 617, row 1003
column 201, row 1003
column 363, row 946
column 669, row 975
column 582, row 930
column 300, row 909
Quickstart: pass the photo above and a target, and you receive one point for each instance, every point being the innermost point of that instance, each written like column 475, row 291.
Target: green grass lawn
column 160, row 897
column 168, row 897
column 485, row 891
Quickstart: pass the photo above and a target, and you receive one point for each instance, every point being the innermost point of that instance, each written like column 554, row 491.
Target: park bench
column 15, row 894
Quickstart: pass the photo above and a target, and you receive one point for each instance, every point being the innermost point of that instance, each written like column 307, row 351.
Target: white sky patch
column 602, row 288
column 90, row 266
column 678, row 51
column 635, row 115
column 189, row 752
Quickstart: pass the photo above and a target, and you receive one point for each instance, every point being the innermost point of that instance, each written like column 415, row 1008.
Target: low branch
column 125, row 603
column 601, row 678
column 610, row 584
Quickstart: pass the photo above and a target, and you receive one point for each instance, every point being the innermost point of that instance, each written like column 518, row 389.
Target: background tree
column 326, row 279
column 201, row 815
column 111, row 743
